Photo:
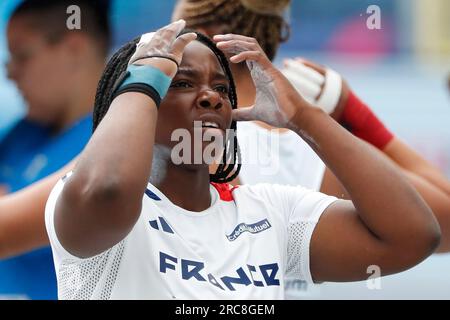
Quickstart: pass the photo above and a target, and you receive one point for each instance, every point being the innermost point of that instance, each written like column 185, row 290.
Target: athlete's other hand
column 320, row 86
column 163, row 49
column 277, row 102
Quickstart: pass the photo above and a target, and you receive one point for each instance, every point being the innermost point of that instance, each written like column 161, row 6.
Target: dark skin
column 198, row 92
column 101, row 202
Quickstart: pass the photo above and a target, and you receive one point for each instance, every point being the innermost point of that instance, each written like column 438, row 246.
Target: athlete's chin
column 203, row 153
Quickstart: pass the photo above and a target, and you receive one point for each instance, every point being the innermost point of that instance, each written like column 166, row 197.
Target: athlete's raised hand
column 163, row 48
column 277, row 101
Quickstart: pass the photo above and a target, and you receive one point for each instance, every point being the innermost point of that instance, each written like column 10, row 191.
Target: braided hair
column 229, row 169
column 262, row 20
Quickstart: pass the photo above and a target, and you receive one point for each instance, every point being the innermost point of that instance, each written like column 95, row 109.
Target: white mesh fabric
column 92, row 278
column 298, row 250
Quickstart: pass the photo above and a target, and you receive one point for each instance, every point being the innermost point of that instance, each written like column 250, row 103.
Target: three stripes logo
column 159, row 224
column 152, row 195
column 164, row 225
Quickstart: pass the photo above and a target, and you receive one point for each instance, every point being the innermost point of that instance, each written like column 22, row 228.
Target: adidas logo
column 164, row 225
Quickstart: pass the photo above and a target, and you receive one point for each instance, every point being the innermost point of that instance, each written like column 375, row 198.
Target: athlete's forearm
column 118, row 158
column 387, row 204
column 439, row 203
column 437, row 200
column 410, row 160
column 102, row 200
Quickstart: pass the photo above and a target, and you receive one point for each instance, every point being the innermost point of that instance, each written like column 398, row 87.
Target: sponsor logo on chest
column 251, row 228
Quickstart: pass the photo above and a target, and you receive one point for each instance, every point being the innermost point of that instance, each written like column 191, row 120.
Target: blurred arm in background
column 22, row 225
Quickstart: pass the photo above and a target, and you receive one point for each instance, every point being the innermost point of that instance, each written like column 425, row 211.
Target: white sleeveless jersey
column 280, row 158
column 277, row 158
column 240, row 248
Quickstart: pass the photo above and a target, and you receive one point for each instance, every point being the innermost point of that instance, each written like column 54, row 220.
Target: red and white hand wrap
column 323, row 88
column 363, row 123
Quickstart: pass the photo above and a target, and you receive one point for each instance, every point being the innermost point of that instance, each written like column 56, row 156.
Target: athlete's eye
column 180, row 84
column 222, row 89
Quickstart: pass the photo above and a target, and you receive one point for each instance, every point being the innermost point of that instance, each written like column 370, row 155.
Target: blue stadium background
column 386, row 67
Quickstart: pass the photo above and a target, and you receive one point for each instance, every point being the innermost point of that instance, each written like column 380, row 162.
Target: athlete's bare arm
column 102, row 200
column 432, row 184
column 387, row 224
column 437, row 200
column 22, row 226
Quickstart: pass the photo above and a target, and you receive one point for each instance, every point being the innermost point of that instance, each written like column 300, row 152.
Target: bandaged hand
column 163, row 49
column 277, row 101
column 326, row 89
column 322, row 87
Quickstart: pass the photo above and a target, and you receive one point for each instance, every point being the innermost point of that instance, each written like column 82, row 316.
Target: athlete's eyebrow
column 191, row 72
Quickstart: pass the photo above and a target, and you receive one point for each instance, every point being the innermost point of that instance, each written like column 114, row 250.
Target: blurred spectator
column 56, row 71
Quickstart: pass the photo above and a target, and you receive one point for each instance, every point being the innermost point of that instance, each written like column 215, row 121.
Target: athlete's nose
column 209, row 99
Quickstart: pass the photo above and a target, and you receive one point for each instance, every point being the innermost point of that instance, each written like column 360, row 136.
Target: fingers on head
column 171, row 31
column 256, row 56
column 247, row 55
column 230, row 36
column 237, row 46
column 181, row 42
column 146, row 38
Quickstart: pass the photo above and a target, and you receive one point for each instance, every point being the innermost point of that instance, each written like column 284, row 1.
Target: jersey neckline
column 215, row 201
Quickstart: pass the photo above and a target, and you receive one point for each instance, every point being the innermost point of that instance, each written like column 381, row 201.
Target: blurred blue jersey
column 27, row 154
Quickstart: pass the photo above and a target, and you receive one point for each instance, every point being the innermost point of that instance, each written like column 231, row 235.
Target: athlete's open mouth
column 207, row 124
column 210, row 120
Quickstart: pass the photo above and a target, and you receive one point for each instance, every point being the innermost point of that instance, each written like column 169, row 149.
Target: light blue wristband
column 147, row 75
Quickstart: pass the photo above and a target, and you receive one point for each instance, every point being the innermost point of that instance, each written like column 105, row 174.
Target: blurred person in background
column 56, row 69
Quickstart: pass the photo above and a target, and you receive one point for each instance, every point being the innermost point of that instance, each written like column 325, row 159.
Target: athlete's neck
column 186, row 187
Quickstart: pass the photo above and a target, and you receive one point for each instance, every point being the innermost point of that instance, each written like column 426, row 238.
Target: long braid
column 117, row 66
